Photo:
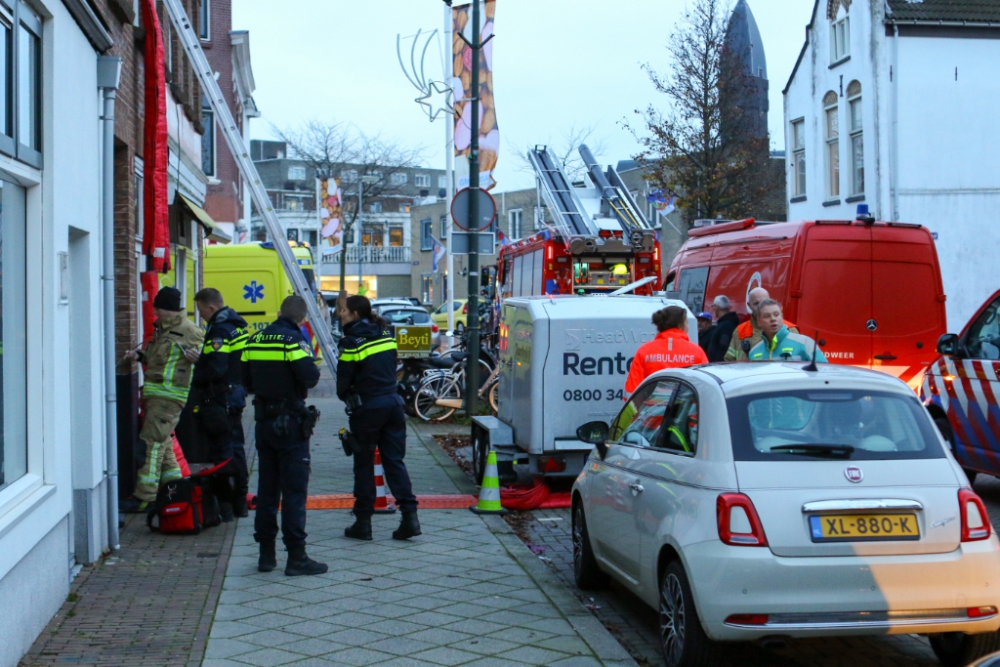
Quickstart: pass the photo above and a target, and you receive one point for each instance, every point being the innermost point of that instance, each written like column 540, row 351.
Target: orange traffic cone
column 382, row 505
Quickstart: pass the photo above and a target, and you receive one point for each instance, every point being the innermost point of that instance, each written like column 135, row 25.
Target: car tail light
column 434, row 328
column 465, row 308
column 746, row 619
column 980, row 612
column 739, row 525
column 975, row 522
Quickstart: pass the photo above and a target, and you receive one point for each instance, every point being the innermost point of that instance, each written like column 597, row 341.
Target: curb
column 590, row 629
column 455, row 474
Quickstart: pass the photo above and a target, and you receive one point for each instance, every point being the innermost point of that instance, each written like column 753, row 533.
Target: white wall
column 949, row 160
column 36, row 511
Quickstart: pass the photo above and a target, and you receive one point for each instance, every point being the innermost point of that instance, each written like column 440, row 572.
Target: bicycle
column 442, row 390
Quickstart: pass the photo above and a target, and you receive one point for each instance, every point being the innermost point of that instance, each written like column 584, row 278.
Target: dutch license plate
column 860, row 527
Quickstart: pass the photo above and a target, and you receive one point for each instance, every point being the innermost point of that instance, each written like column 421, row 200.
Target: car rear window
column 408, row 316
column 852, row 425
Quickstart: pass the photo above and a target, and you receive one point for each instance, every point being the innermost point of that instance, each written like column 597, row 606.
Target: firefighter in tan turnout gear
column 169, row 359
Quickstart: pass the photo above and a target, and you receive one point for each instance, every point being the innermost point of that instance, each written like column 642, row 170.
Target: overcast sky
column 558, row 63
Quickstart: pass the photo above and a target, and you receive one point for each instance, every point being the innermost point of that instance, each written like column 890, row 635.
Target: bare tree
column 706, row 149
column 363, row 161
column 565, row 151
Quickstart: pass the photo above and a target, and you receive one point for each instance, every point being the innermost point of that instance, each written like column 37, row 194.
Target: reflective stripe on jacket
column 670, row 349
column 168, row 372
column 279, row 363
column 367, row 362
column 786, row 346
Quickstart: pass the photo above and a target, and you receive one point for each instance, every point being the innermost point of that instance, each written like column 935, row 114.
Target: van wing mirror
column 949, row 345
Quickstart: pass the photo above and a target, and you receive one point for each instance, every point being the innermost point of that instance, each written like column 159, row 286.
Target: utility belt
column 285, row 414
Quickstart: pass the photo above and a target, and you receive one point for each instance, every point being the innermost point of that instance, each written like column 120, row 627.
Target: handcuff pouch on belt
column 351, row 444
column 285, row 415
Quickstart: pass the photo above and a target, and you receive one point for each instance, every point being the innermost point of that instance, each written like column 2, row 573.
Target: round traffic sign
column 460, row 208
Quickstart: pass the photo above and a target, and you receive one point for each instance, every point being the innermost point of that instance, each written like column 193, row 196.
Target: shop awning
column 211, row 229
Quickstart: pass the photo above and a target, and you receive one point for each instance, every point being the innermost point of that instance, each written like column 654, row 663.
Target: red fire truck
column 598, row 240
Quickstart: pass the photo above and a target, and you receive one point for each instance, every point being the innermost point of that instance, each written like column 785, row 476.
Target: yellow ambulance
column 252, row 280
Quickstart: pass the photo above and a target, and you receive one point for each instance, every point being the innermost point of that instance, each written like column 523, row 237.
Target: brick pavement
column 150, row 604
column 466, row 592
column 635, row 625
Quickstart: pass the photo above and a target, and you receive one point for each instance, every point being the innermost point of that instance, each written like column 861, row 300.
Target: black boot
column 408, row 527
column 225, row 512
column 268, row 560
column 300, row 564
column 361, row 530
column 240, row 506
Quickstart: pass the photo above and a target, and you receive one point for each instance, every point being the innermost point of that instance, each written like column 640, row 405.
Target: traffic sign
column 460, row 208
column 486, row 242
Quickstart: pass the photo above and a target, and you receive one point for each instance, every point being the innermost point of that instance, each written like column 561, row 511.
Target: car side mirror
column 595, row 433
column 949, row 345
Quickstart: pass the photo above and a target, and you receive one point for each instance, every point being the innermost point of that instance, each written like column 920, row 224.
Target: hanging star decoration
column 436, row 100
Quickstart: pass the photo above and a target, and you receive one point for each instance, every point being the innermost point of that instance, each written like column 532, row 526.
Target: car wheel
column 459, row 328
column 957, row 649
column 586, row 571
column 480, row 452
column 683, row 642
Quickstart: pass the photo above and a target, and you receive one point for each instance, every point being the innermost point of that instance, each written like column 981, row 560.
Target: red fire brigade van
column 872, row 289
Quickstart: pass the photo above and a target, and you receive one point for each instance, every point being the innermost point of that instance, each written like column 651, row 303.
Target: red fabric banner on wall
column 156, row 232
column 150, row 286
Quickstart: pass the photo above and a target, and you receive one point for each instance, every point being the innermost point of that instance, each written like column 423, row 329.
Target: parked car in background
column 961, row 391
column 461, row 309
column 410, row 315
column 395, row 301
column 752, row 500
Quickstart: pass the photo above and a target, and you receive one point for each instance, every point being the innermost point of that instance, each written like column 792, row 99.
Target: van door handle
column 886, row 357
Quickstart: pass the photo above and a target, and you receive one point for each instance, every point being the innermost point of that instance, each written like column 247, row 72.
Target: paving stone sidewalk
column 466, row 592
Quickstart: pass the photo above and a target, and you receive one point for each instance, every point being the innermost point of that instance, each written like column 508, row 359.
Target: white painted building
column 892, row 104
column 53, row 483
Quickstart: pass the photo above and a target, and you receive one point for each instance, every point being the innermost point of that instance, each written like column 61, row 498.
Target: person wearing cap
column 706, row 329
column 169, row 358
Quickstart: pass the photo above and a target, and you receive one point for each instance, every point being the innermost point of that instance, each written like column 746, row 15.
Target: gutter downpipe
column 894, row 112
column 109, row 70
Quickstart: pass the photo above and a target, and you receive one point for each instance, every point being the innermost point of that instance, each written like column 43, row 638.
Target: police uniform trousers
column 161, row 417
column 381, row 423
column 283, row 479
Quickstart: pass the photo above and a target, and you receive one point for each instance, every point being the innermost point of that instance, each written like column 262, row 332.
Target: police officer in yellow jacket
column 280, row 372
column 366, row 382
column 169, row 358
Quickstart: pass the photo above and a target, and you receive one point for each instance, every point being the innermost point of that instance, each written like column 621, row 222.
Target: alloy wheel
column 672, row 619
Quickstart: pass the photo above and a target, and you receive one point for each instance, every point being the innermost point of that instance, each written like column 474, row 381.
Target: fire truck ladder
column 570, row 218
column 224, row 119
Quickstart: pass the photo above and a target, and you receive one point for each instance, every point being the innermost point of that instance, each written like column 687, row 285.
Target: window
column 639, row 421
column 799, row 157
column 168, row 41
column 426, row 236
column 846, row 424
column 396, row 236
column 203, row 17
column 857, row 138
column 376, row 174
column 399, row 178
column 840, row 39
column 373, row 235
column 427, row 285
column 692, row 288
column 983, row 339
column 375, row 207
column 6, row 77
column 831, row 125
column 515, row 218
column 29, row 86
column 293, row 235
column 443, row 182
column 296, row 173
column 444, row 227
column 349, row 176
column 681, row 433
column 422, row 180
column 208, row 139
column 13, row 375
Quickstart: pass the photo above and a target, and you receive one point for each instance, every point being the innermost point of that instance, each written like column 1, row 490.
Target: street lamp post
column 472, row 325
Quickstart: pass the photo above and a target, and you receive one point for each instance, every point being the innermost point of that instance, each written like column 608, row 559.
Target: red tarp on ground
column 156, row 232
column 536, row 496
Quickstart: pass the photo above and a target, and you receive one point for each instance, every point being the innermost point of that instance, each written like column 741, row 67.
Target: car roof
column 394, row 307
column 750, row 377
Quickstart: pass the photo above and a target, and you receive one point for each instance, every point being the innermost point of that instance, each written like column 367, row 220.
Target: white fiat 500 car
column 751, row 501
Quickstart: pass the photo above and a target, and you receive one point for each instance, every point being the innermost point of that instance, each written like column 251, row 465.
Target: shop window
column 13, row 370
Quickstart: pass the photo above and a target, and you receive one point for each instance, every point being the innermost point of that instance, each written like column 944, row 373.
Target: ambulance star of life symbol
column 253, row 291
column 854, row 474
column 871, row 325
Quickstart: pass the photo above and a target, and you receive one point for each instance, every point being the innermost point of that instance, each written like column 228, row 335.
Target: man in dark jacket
column 366, row 382
column 705, row 330
column 280, row 372
column 218, row 397
column 726, row 322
